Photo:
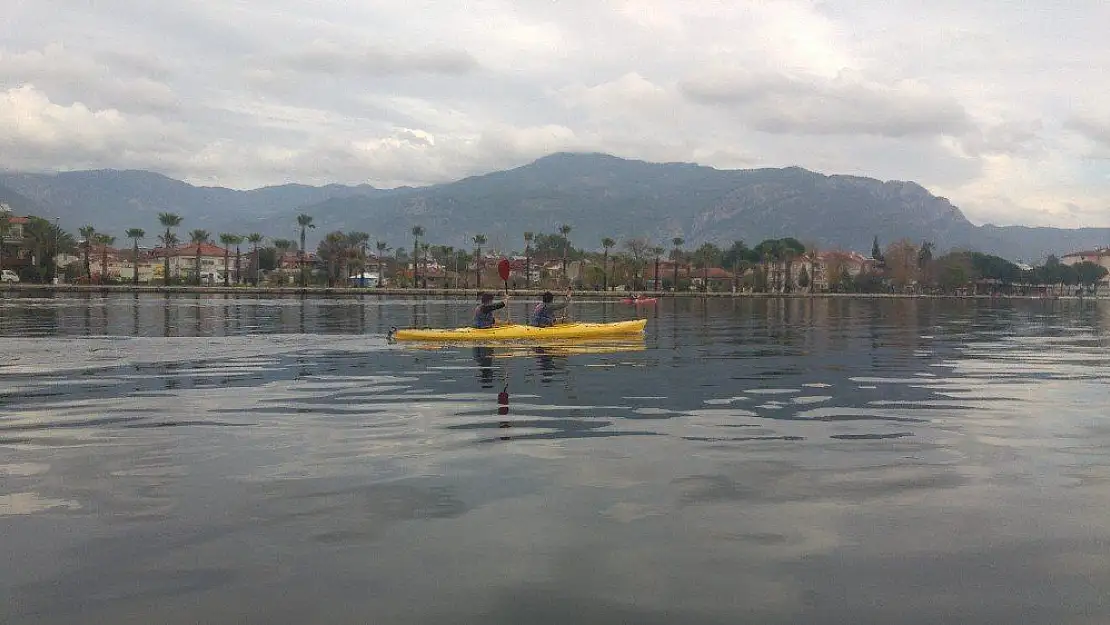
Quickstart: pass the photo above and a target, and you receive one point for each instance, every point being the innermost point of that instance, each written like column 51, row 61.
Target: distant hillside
column 597, row 194
column 601, row 195
column 19, row 203
column 113, row 201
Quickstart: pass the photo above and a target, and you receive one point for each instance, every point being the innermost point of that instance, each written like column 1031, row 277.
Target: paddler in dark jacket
column 483, row 313
column 544, row 314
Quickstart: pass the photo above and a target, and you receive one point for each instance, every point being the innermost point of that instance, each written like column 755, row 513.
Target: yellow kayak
column 525, row 333
column 553, row 347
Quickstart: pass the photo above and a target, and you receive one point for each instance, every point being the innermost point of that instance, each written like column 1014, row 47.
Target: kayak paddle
column 503, row 269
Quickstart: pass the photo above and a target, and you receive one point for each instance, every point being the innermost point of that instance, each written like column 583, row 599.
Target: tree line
column 773, row 265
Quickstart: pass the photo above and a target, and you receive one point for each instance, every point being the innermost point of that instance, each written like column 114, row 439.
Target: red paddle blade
column 503, row 268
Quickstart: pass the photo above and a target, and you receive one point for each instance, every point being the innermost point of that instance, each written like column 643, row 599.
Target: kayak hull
column 525, row 333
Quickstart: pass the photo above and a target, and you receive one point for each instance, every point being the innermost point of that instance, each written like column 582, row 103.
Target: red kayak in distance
column 640, row 301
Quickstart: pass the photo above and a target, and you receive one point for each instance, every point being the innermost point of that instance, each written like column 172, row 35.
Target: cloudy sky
column 1000, row 105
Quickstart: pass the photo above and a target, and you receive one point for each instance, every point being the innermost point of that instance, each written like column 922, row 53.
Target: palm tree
column 360, row 241
column 333, row 252
column 479, row 241
column 658, row 253
column 198, row 237
column 135, row 234
column 104, row 241
column 606, row 244
column 88, row 233
column 304, row 222
column 169, row 240
column 382, row 248
column 417, row 232
column 564, row 230
column 528, row 238
column 450, row 260
column 706, row 255
column 5, row 223
column 283, row 247
column 254, row 239
column 791, row 249
column 771, row 251
column 424, row 247
column 237, row 241
column 676, row 255
column 812, row 257
column 227, row 239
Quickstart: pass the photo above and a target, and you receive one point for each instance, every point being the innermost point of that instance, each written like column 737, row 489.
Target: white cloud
column 36, row 133
column 425, row 91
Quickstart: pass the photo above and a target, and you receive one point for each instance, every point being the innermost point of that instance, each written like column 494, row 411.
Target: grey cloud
column 783, row 104
column 1092, row 127
column 1012, row 138
column 330, row 58
column 395, row 93
column 68, row 78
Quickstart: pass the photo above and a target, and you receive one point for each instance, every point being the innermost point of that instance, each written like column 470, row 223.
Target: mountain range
column 598, row 195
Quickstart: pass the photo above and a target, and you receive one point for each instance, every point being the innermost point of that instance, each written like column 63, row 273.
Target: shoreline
column 362, row 292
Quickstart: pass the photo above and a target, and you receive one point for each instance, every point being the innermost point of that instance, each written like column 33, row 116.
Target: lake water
column 183, row 460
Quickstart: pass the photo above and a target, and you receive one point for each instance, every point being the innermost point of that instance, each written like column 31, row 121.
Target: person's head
column 486, row 297
column 547, row 297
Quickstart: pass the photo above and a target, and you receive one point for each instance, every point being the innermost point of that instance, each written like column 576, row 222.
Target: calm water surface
column 237, row 460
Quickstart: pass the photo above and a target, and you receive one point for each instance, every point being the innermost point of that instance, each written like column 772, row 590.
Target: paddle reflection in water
column 551, row 361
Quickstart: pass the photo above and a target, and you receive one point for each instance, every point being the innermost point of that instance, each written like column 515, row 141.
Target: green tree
column 790, row 250
column 237, row 240
column 676, row 257
column 424, row 249
column 528, row 237
column 227, row 239
column 282, row 247
column 198, row 238
column 876, row 251
column 925, row 262
column 135, row 234
column 88, row 234
column 564, row 231
column 479, row 241
column 706, row 256
column 606, row 244
column 417, row 232
column 770, row 252
column 255, row 239
column 638, row 249
column 658, row 252
column 1089, row 274
column 332, row 251
column 803, row 278
column 382, row 248
column 268, row 259
column 5, row 227
column 954, row 271
column 304, row 222
column 104, row 241
column 360, row 241
column 169, row 221
column 45, row 241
